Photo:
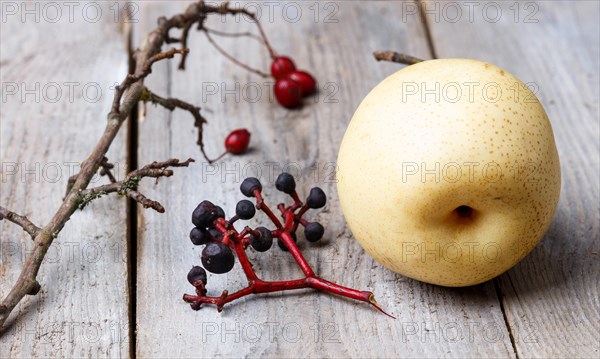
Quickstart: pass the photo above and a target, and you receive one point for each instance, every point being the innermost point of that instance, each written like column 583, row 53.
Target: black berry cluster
column 223, row 243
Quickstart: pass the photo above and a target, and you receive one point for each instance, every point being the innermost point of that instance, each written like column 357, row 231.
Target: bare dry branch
column 234, row 34
column 142, row 73
column 183, row 41
column 173, row 103
column 105, row 170
column 233, row 59
column 19, row 220
column 129, row 186
column 126, row 96
column 397, row 57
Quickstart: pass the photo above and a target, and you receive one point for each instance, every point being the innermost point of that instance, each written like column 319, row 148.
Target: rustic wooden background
column 102, row 297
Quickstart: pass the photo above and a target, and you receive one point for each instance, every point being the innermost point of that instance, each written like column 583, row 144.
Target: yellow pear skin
column 448, row 172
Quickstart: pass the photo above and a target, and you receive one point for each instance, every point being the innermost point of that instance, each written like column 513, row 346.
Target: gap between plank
column 421, row 4
column 132, row 208
column 510, row 333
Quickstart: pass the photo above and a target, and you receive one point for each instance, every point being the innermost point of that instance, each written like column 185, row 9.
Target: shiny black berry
column 196, row 274
column 199, row 236
column 204, row 215
column 215, row 233
column 217, row 258
column 313, row 231
column 285, row 183
column 282, row 245
column 316, row 198
column 249, row 185
column 263, row 242
column 220, row 212
column 245, row 209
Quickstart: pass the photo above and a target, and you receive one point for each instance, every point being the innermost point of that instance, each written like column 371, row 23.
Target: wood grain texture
column 432, row 321
column 551, row 297
column 82, row 309
column 550, row 300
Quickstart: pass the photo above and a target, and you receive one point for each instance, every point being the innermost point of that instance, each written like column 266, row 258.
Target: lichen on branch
column 127, row 94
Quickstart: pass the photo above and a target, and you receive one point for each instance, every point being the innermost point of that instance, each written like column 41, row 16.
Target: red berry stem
column 243, row 258
column 247, row 230
column 296, row 254
column 264, row 37
column 260, row 205
column 234, row 34
column 258, row 286
column 232, row 58
column 238, row 241
column 211, row 161
column 297, row 218
column 246, row 241
column 231, row 222
column 297, row 201
column 236, row 143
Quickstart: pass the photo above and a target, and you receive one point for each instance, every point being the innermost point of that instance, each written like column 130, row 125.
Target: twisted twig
column 173, row 103
column 129, row 185
column 21, row 221
column 105, row 170
column 234, row 34
column 126, row 96
column 232, row 58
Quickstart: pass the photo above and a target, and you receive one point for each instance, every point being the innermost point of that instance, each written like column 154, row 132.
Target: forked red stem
column 235, row 240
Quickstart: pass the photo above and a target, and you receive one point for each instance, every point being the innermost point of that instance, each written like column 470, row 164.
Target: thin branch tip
column 20, row 221
column 393, row 56
column 374, row 303
column 127, row 94
column 129, row 186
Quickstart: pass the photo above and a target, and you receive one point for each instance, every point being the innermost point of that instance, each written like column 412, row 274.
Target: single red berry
column 288, row 93
column 237, row 141
column 281, row 66
column 306, row 81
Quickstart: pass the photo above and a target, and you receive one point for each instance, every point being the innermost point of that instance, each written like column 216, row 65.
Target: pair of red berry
column 291, row 84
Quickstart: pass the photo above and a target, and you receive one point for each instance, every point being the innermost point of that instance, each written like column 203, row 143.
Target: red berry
column 237, row 141
column 282, row 66
column 306, row 81
column 288, row 93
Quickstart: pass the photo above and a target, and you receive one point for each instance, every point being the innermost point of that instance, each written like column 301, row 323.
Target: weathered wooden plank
column 551, row 297
column 58, row 63
column 432, row 321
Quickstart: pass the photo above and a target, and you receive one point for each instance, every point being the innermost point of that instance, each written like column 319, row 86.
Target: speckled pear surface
column 448, row 172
